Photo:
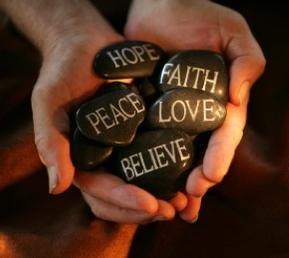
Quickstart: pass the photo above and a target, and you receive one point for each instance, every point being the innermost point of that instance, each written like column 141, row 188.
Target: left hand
column 201, row 24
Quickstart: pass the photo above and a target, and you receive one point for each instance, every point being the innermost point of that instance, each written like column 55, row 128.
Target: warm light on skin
column 126, row 80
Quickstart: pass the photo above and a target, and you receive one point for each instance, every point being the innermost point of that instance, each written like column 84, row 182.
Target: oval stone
column 157, row 161
column 116, row 86
column 127, row 59
column 111, row 118
column 147, row 89
column 192, row 111
column 196, row 69
column 86, row 154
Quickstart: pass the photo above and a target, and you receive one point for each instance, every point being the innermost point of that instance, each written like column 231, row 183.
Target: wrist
column 85, row 37
column 51, row 24
column 86, row 28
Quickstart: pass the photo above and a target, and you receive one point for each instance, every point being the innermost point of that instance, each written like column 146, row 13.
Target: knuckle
column 239, row 136
column 96, row 211
column 41, row 144
column 45, row 146
column 130, row 31
column 214, row 179
column 46, row 89
column 41, row 148
column 236, row 20
column 36, row 94
column 240, row 21
column 93, row 205
column 136, row 29
column 41, row 94
column 260, row 63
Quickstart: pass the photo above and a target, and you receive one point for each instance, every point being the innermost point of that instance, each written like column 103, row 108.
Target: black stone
column 196, row 69
column 111, row 118
column 127, row 59
column 156, row 161
column 192, row 111
column 147, row 89
column 86, row 154
column 116, row 86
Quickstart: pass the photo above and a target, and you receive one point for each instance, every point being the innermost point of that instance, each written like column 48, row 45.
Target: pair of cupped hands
column 66, row 78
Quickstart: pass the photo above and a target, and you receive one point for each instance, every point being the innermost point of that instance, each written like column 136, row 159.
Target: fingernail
column 159, row 218
column 243, row 92
column 191, row 221
column 52, row 178
column 194, row 220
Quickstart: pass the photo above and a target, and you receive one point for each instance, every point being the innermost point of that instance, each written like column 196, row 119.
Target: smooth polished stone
column 192, row 111
column 196, row 69
column 115, row 86
column 111, row 118
column 156, row 161
column 147, row 89
column 127, row 59
column 87, row 154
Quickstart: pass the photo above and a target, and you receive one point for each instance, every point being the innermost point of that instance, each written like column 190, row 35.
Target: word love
column 184, row 109
column 196, row 69
column 156, row 160
column 127, row 59
column 113, row 117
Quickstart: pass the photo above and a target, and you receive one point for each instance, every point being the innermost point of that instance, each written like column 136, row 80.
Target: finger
column 179, row 202
column 111, row 212
column 165, row 211
column 197, row 183
column 220, row 151
column 114, row 190
column 51, row 125
column 247, row 64
column 191, row 212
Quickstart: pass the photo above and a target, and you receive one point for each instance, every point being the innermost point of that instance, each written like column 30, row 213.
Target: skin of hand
column 201, row 24
column 69, row 33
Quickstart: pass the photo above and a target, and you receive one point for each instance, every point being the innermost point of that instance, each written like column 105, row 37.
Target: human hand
column 66, row 78
column 200, row 24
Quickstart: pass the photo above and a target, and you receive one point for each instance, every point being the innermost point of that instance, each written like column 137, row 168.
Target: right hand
column 200, row 24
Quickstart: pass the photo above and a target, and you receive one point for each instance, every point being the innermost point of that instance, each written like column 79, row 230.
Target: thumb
column 247, row 64
column 62, row 82
column 51, row 125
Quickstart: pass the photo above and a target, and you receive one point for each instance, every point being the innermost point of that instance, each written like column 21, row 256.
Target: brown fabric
column 245, row 216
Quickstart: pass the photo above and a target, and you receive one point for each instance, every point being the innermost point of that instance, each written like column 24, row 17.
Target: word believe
column 112, row 115
column 154, row 158
column 193, row 77
column 133, row 55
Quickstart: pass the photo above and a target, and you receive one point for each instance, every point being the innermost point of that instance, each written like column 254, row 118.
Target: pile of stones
column 144, row 131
